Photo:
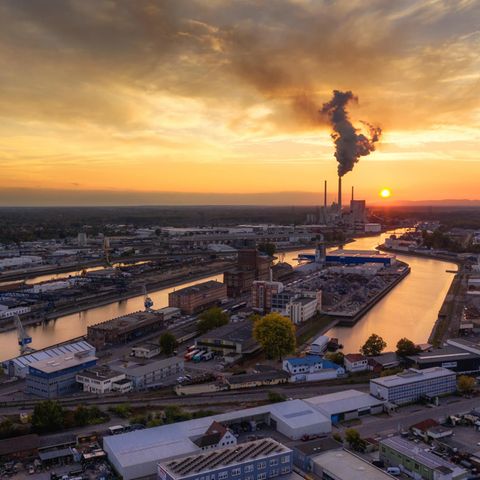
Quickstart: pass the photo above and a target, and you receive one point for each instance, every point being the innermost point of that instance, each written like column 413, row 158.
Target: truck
column 319, row 345
column 198, row 356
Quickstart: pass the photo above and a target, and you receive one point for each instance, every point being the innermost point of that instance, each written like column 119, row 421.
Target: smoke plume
column 349, row 144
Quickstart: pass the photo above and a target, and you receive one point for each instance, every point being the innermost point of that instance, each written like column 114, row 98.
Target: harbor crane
column 23, row 339
column 147, row 301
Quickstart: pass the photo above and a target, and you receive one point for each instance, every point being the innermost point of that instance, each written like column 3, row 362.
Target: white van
column 395, row 471
column 208, row 356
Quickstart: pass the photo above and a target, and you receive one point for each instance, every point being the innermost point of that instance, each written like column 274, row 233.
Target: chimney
column 339, row 194
column 352, row 192
column 325, row 195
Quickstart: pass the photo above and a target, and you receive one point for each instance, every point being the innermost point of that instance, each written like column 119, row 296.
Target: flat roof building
column 149, row 374
column 198, row 297
column 18, row 366
column 124, row 329
column 453, row 358
column 417, row 462
column 346, row 405
column 412, row 385
column 345, row 465
column 231, row 339
column 52, row 378
column 136, row 454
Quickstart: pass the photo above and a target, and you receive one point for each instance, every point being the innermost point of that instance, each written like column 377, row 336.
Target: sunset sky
column 120, row 102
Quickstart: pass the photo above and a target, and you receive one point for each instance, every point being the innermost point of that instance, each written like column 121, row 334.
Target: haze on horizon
column 102, row 100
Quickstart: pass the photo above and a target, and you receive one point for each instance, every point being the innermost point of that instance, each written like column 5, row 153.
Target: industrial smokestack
column 352, row 192
column 339, row 194
column 325, row 195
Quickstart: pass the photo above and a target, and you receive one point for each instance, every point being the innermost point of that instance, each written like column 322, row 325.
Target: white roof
column 412, row 376
column 347, row 466
column 62, row 362
column 48, row 353
column 345, row 401
column 165, row 441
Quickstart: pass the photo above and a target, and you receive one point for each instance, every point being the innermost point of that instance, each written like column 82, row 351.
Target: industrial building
column 262, row 293
column 303, row 308
column 53, row 378
column 137, row 454
column 346, row 405
column 259, row 459
column 345, row 465
column 251, row 266
column 123, row 329
column 417, row 462
column 102, row 379
column 147, row 350
column 413, row 385
column 18, row 366
column 198, row 297
column 149, row 374
column 453, row 358
column 359, row 257
column 230, row 340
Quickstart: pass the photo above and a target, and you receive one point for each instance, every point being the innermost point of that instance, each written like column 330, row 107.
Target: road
column 384, row 425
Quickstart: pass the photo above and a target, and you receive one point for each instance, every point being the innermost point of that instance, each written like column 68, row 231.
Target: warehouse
column 412, row 385
column 346, row 405
column 360, row 257
column 136, row 454
column 18, row 366
column 345, row 465
column 453, row 358
column 124, row 329
column 230, row 340
column 53, row 378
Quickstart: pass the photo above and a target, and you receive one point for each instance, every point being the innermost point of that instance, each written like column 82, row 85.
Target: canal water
column 409, row 310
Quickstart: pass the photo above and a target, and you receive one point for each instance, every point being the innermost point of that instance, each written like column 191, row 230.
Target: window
column 222, row 475
column 285, row 470
column 261, row 476
column 236, row 471
column 273, row 462
column 273, row 472
column 248, row 468
column 262, row 465
column 285, row 459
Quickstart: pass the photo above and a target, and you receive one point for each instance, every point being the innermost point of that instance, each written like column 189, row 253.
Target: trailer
column 319, row 345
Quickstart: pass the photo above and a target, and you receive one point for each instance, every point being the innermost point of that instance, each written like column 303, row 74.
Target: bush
column 275, row 397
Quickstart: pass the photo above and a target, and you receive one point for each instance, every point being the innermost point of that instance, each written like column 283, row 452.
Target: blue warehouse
column 54, row 377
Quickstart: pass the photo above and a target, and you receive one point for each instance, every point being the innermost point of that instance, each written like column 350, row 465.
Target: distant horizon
column 9, row 197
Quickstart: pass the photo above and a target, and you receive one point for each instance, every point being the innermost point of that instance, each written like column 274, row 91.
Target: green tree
column 168, row 343
column 81, row 416
column 276, row 334
column 275, row 397
column 406, row 347
column 335, row 357
column 465, row 384
column 212, row 318
column 352, row 437
column 373, row 346
column 48, row 416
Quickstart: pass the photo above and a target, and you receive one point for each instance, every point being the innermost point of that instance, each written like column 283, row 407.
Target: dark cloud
column 92, row 61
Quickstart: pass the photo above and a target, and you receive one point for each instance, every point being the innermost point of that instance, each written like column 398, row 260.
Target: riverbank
column 134, row 292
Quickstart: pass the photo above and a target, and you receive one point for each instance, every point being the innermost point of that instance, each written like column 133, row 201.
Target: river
column 410, row 309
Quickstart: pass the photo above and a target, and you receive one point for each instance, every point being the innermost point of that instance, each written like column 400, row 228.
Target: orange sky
column 104, row 97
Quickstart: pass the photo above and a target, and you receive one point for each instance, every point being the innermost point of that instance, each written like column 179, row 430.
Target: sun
column 385, row 193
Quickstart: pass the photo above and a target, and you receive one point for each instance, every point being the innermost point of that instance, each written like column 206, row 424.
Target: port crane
column 23, row 339
column 147, row 301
